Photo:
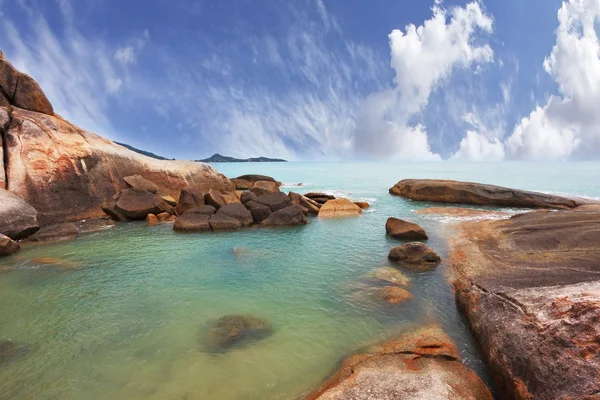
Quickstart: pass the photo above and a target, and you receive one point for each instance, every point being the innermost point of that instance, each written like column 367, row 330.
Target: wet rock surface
column 339, row 208
column 192, row 222
column 8, row 246
column 415, row 255
column 233, row 331
column 222, row 222
column 18, row 219
column 530, row 289
column 400, row 229
column 56, row 232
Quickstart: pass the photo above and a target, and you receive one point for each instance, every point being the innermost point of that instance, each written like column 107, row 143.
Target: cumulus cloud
column 476, row 147
column 422, row 58
column 568, row 125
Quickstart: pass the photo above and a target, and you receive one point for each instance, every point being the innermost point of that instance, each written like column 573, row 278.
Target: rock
column 400, row 229
column 588, row 207
column 231, row 197
column 8, row 246
column 464, row 213
column 423, row 364
column 219, row 199
column 288, row 216
column 362, row 204
column 415, row 255
column 339, row 208
column 264, row 187
column 164, row 216
column 57, row 263
column 318, row 195
column 446, row 191
column 275, row 201
column 248, row 196
column 260, row 212
column 18, row 219
column 188, row 199
column 56, row 232
column 4, row 125
column 136, row 204
column 139, row 182
column 169, row 200
column 206, row 209
column 222, row 222
column 256, row 178
column 311, row 205
column 152, row 220
column 395, row 294
column 21, row 90
column 192, row 222
column 235, row 330
column 113, row 212
column 388, row 275
column 530, row 289
column 237, row 211
column 242, row 184
column 10, row 351
column 93, row 225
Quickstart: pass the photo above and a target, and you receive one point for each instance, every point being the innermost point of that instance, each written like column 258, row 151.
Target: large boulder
column 339, row 208
column 423, row 364
column 311, row 205
column 530, row 289
column 222, row 222
column 400, row 229
column 275, row 201
column 288, row 216
column 237, row 211
column 242, row 184
column 188, row 199
column 446, row 191
column 205, row 209
column 253, row 178
column 320, row 198
column 415, row 255
column 260, row 212
column 264, row 187
column 136, row 204
column 21, row 90
column 18, row 219
column 139, row 182
column 235, row 330
column 8, row 246
column 248, row 196
column 219, row 199
column 192, row 222
column 56, row 232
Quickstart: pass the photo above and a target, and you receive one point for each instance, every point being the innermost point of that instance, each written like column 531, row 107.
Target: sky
column 423, row 80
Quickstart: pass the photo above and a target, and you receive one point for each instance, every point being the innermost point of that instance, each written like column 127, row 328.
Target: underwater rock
column 395, row 294
column 400, row 229
column 235, row 330
column 415, row 255
column 10, row 351
column 8, row 246
column 388, row 275
column 464, row 213
column 56, row 262
column 94, row 225
column 339, row 208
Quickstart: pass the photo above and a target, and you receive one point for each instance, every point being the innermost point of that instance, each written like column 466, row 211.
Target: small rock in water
column 415, row 255
column 400, row 229
column 56, row 262
column 151, row 219
column 395, row 294
column 362, row 204
column 8, row 246
column 388, row 275
column 235, row 330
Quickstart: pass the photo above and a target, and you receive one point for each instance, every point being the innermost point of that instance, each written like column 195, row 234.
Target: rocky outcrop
column 446, row 191
column 138, row 182
column 56, row 232
column 205, row 209
column 311, row 205
column 136, row 204
column 400, row 229
column 320, row 198
column 253, row 178
column 288, row 216
column 339, row 208
column 222, row 222
column 259, row 212
column 530, row 289
column 237, row 211
column 18, row 219
column 423, row 364
column 415, row 255
column 8, row 246
column 219, row 199
column 188, row 199
column 275, row 201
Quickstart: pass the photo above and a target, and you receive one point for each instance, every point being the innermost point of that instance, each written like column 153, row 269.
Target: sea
column 124, row 313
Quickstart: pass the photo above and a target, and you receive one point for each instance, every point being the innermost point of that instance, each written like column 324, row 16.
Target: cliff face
column 67, row 173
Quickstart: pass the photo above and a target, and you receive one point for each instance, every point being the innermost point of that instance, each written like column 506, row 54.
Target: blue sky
column 317, row 79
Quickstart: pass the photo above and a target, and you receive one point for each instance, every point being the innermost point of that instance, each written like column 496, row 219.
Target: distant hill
column 146, row 153
column 219, row 158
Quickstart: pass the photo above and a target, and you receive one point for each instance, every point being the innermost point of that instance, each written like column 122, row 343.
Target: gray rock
column 18, row 219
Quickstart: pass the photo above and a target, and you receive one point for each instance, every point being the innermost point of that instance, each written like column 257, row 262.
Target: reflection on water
column 124, row 313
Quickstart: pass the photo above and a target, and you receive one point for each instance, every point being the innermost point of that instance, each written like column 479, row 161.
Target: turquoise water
column 121, row 313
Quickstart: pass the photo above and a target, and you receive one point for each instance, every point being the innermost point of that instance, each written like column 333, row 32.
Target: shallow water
column 123, row 314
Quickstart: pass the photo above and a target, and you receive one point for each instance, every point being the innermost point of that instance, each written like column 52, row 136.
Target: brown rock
column 260, row 212
column 253, row 178
column 152, row 219
column 311, row 205
column 113, row 212
column 275, row 201
column 415, row 255
column 242, row 184
column 21, row 90
column 288, row 216
column 530, row 288
column 339, row 208
column 188, row 199
column 169, row 200
column 388, row 275
column 139, row 182
column 18, row 219
column 136, row 204
column 93, row 225
column 215, row 199
column 464, row 213
column 230, row 197
column 55, row 232
column 8, row 246
column 222, row 222
column 235, row 330
column 446, row 191
column 400, row 229
column 237, row 211
column 206, row 209
column 192, row 222
column 264, row 187
column 395, row 294
column 362, row 204
column 420, row 365
column 248, row 196
column 4, row 125
column 164, row 216
column 319, row 198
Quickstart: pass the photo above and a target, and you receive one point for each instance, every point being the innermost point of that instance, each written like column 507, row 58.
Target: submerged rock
column 395, row 294
column 56, row 232
column 8, row 246
column 56, row 262
column 530, row 289
column 288, row 216
column 415, row 255
column 420, row 365
column 400, row 229
column 18, row 219
column 192, row 222
column 339, row 208
column 10, row 351
column 464, row 213
column 388, row 275
column 236, row 330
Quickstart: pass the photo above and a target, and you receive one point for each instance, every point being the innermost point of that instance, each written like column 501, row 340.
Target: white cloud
column 422, row 58
column 113, row 85
column 568, row 126
column 476, row 147
column 125, row 55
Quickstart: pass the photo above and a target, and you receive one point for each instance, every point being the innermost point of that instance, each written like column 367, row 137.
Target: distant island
column 146, row 153
column 219, row 158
